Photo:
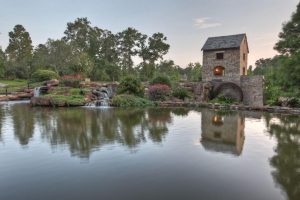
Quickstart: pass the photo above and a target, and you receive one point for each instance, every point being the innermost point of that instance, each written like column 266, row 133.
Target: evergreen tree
column 19, row 52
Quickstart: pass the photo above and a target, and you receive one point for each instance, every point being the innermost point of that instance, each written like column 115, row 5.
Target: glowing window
column 219, row 71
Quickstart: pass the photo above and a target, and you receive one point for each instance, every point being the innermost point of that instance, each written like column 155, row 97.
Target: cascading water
column 102, row 98
column 37, row 92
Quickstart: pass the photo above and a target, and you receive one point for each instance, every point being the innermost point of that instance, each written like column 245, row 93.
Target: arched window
column 219, row 71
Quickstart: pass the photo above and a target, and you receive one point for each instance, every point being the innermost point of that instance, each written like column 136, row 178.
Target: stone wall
column 252, row 87
column 244, row 62
column 231, row 63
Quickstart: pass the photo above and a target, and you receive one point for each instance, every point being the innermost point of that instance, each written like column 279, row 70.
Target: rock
column 40, row 101
column 288, row 102
column 53, row 82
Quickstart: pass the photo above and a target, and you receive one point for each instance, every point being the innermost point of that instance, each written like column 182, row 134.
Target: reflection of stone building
column 222, row 133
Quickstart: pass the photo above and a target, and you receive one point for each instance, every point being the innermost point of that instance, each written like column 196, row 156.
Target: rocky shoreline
column 36, row 101
column 271, row 109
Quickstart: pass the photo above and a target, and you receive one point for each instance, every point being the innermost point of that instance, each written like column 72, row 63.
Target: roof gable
column 224, row 42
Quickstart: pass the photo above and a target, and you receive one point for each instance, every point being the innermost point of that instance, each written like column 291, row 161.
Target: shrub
column 71, row 82
column 180, row 93
column 294, row 102
column 44, row 75
column 161, row 80
column 159, row 92
column 125, row 100
column 223, row 100
column 131, row 85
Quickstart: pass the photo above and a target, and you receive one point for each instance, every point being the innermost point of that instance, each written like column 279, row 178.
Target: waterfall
column 101, row 101
column 37, row 92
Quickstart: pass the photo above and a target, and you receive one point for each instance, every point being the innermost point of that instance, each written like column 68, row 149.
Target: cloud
column 205, row 22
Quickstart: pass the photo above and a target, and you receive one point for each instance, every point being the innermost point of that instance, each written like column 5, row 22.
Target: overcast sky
column 186, row 23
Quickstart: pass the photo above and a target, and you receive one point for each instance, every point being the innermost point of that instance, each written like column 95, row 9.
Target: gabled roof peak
column 224, row 42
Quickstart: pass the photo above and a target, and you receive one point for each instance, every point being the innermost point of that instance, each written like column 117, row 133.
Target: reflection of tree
column 86, row 129
column 157, row 124
column 1, row 120
column 23, row 122
column 180, row 111
column 287, row 158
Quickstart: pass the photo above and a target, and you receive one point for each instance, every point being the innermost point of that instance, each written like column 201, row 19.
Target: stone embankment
column 275, row 109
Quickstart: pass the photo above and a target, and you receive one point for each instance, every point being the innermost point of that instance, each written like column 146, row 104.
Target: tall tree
column 157, row 47
column 40, row 58
column 128, row 46
column 289, row 38
column 2, row 62
column 61, row 56
column 78, row 33
column 19, row 51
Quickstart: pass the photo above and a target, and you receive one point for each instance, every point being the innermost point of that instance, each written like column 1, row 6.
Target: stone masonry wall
column 252, row 87
column 243, row 62
column 231, row 63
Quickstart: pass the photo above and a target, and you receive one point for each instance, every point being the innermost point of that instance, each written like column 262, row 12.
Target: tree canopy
column 90, row 51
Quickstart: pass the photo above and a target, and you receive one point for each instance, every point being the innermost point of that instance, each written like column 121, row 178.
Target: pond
column 155, row 153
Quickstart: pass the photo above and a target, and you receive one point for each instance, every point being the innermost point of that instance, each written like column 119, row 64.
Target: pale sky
column 186, row 23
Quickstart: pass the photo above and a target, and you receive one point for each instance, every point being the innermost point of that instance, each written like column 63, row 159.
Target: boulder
column 40, row 101
column 53, row 82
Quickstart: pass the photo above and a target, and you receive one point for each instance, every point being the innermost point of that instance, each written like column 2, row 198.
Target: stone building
column 225, row 62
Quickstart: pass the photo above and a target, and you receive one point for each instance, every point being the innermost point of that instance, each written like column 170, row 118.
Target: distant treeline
column 92, row 52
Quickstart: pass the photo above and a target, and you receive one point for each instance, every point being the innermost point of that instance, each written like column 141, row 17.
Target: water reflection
column 223, row 131
column 86, row 130
column 286, row 161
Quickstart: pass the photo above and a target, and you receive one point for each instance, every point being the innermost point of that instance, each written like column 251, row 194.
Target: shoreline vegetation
column 62, row 96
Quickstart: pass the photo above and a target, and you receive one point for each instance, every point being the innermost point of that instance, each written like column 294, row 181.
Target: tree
column 19, row 52
column 289, row 38
column 168, row 68
column 157, row 47
column 61, row 56
column 2, row 63
column 193, row 72
column 78, row 33
column 40, row 57
column 128, row 46
column 250, row 70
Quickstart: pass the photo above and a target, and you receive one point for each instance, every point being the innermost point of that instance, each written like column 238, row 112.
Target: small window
column 244, row 56
column 219, row 71
column 220, row 56
column 244, row 70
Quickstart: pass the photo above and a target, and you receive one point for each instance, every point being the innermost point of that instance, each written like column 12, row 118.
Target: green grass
column 73, row 100
column 14, row 83
column 17, row 85
column 125, row 100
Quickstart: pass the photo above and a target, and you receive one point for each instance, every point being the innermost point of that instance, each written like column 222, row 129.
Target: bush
column 131, row 85
column 223, row 100
column 44, row 75
column 294, row 102
column 180, row 93
column 161, row 80
column 159, row 92
column 71, row 82
column 125, row 100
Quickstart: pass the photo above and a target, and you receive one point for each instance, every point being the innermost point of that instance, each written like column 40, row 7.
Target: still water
column 82, row 153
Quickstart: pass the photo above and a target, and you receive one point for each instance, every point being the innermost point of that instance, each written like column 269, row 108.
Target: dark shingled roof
column 224, row 42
